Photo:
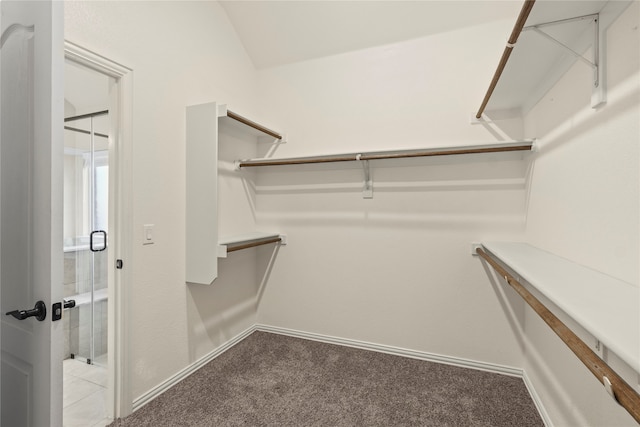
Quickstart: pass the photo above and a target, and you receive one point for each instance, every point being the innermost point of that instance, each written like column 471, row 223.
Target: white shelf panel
column 201, row 193
column 536, row 63
column 229, row 119
column 226, row 243
column 608, row 308
column 525, row 145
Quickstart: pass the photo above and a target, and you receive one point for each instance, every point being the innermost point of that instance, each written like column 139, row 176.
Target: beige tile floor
column 85, row 394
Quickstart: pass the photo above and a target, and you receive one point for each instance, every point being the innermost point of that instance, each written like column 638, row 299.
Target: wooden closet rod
column 524, row 146
column 517, row 29
column 445, row 152
column 253, row 244
column 253, row 124
column 624, row 394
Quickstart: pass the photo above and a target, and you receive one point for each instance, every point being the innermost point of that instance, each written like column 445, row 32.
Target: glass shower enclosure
column 86, row 198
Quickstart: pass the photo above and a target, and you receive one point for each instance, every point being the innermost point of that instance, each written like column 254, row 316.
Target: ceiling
column 275, row 33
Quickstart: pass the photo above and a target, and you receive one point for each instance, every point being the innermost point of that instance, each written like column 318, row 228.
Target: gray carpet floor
column 275, row 380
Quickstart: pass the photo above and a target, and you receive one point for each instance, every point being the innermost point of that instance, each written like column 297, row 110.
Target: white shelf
column 229, row 119
column 243, row 241
column 525, row 145
column 608, row 308
column 201, row 238
column 203, row 247
column 537, row 62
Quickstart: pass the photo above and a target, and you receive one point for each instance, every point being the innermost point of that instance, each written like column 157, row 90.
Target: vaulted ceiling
column 282, row 32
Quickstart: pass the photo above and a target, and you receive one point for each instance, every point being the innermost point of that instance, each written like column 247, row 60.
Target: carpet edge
column 189, row 369
column 392, row 350
column 397, row 351
column 420, row 355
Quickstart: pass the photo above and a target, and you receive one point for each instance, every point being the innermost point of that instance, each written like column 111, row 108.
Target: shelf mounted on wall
column 246, row 241
column 606, row 307
column 264, row 134
column 203, row 124
column 365, row 157
column 598, row 88
column 546, row 40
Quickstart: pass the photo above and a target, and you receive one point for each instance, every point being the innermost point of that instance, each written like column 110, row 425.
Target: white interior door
column 31, row 108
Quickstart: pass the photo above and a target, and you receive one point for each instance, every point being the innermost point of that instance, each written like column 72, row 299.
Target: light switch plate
column 148, row 234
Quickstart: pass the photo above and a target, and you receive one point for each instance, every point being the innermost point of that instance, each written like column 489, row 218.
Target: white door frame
column 120, row 224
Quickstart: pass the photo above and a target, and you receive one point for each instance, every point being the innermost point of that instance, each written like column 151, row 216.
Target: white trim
column 121, row 175
column 397, row 351
column 184, row 373
column 536, row 400
column 94, row 61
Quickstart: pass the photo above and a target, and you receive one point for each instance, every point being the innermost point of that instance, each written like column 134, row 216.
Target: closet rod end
column 474, row 248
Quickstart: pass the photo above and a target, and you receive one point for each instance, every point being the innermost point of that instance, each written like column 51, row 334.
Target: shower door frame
column 120, row 401
column 91, row 204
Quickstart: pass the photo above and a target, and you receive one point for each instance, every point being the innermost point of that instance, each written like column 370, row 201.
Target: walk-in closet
column 338, row 213
column 395, row 197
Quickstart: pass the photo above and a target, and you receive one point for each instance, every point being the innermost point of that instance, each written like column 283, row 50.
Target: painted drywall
column 181, row 53
column 583, row 204
column 396, row 269
column 587, row 168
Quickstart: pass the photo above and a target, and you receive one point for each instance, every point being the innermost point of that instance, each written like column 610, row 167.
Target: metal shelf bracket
column 367, row 189
column 598, row 89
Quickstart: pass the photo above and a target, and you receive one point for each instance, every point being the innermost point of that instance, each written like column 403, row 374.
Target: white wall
column 583, row 202
column 395, row 270
column 584, row 206
column 181, row 53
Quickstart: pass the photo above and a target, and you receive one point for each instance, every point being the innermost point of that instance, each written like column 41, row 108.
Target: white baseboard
column 184, row 373
column 397, row 351
column 536, row 400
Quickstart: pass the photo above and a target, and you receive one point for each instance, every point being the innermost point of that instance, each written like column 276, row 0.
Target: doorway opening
column 86, row 245
column 99, row 177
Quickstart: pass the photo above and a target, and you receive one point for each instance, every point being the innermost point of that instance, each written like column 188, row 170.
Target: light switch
column 147, row 237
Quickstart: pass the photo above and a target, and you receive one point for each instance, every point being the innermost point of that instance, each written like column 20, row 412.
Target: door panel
column 31, row 58
column 16, row 237
column 16, row 377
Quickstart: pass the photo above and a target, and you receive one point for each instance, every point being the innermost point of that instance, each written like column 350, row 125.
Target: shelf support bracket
column 598, row 92
column 367, row 190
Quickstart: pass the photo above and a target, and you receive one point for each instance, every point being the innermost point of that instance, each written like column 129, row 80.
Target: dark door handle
column 39, row 312
column 69, row 303
column 92, row 242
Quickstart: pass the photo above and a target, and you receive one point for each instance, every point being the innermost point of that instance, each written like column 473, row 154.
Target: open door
column 31, row 114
